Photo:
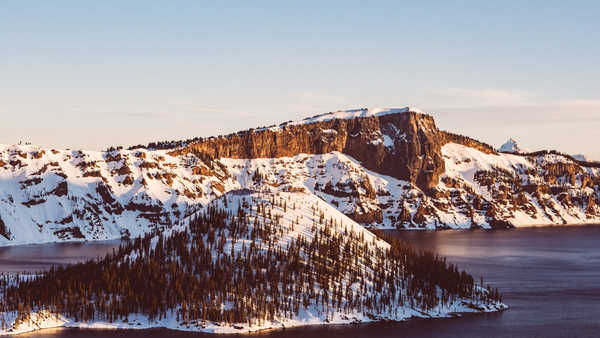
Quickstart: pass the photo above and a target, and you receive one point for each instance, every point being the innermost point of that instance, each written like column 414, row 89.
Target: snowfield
column 347, row 114
column 49, row 195
column 462, row 163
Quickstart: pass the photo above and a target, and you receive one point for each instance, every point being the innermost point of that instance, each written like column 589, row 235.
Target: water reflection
column 31, row 258
column 549, row 276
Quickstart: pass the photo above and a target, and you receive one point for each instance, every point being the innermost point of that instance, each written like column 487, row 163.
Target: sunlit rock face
column 387, row 168
column 405, row 144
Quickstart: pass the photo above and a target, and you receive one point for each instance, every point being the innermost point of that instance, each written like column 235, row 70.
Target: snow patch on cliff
column 355, row 113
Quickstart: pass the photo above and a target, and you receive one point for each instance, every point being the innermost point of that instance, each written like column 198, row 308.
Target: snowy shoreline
column 383, row 287
column 45, row 321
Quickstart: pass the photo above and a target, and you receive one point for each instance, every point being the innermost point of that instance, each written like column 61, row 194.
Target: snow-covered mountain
column 511, row 146
column 385, row 168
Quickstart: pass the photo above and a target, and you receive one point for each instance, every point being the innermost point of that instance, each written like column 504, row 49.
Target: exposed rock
column 61, row 189
column 128, row 180
column 33, row 202
column 4, row 230
column 367, row 216
column 69, row 233
column 148, row 165
column 38, row 154
column 124, row 170
column 29, row 182
column 469, row 142
column 394, row 170
column 405, row 145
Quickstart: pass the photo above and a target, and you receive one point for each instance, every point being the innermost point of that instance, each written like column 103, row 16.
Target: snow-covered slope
column 354, row 113
column 473, row 192
column 51, row 195
column 522, row 190
column 320, row 267
column 386, row 168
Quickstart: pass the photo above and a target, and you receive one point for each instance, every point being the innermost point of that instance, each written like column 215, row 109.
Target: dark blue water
column 31, row 258
column 549, row 276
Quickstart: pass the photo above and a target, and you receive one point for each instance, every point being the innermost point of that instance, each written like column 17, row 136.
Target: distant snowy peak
column 511, row 146
column 355, row 113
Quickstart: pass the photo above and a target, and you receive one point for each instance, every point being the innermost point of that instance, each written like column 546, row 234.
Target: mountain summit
column 355, row 113
column 384, row 168
column 511, row 146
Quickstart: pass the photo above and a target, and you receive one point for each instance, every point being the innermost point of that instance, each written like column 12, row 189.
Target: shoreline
column 62, row 323
column 115, row 240
column 528, row 226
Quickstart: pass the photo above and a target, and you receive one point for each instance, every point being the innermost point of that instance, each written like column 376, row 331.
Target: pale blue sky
column 88, row 74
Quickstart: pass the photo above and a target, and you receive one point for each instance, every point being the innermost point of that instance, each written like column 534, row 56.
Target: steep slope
column 49, row 194
column 542, row 188
column 402, row 143
column 477, row 190
column 387, row 168
column 248, row 261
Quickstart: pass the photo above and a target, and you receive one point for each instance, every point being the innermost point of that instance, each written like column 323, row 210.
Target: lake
column 35, row 257
column 550, row 277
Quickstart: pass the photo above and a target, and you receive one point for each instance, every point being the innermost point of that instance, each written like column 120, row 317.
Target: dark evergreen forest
column 237, row 258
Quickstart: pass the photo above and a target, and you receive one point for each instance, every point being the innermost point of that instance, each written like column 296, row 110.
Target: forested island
column 248, row 261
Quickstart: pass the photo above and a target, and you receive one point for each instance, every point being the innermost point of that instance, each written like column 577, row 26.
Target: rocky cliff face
column 383, row 168
column 404, row 145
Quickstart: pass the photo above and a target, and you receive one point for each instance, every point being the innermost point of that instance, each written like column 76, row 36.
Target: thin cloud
column 141, row 114
column 466, row 97
column 514, row 105
column 191, row 107
column 316, row 98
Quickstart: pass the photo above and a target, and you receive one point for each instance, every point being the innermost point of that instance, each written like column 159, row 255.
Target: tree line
column 233, row 267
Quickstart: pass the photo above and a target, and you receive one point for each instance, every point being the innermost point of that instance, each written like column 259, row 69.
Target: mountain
column 511, row 146
column 245, row 262
column 383, row 168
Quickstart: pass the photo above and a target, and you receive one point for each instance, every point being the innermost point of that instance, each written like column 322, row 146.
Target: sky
column 91, row 74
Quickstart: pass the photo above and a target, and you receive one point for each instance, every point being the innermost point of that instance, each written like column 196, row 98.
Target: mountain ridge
column 392, row 170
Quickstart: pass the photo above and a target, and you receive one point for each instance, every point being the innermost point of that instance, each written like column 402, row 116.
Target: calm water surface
column 549, row 276
column 32, row 258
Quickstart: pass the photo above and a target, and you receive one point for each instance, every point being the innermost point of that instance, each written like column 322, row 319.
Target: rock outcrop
column 404, row 145
column 388, row 168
